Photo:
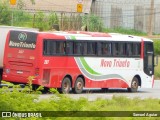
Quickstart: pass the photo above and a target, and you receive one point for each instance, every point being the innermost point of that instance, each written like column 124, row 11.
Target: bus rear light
column 36, row 71
column 9, row 55
column 32, row 57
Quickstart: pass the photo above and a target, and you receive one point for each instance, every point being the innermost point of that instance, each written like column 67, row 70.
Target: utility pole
column 150, row 30
column 12, row 2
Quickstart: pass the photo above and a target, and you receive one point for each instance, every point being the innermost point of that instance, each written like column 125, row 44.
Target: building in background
column 130, row 14
column 67, row 6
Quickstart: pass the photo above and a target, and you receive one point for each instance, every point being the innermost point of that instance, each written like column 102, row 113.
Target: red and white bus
column 78, row 60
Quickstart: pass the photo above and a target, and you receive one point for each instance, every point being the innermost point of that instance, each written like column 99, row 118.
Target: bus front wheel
column 66, row 85
column 78, row 86
column 134, row 85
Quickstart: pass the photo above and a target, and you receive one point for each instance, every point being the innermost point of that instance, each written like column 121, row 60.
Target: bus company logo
column 22, row 36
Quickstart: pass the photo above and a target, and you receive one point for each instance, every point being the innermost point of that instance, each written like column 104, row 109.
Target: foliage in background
column 93, row 23
column 46, row 22
column 157, row 47
column 53, row 20
column 22, row 101
column 20, row 4
column 157, row 70
column 22, row 19
column 5, row 13
column 157, row 52
column 124, row 31
column 41, row 21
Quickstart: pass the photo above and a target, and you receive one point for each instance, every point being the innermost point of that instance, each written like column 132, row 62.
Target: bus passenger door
column 148, row 59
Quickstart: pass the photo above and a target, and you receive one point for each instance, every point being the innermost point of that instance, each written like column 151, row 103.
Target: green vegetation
column 93, row 23
column 157, row 70
column 17, row 17
column 5, row 13
column 24, row 101
column 157, row 47
column 52, row 21
column 28, row 100
column 157, row 52
column 125, row 31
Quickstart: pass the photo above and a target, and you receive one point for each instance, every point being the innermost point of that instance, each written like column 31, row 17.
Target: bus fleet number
column 46, row 62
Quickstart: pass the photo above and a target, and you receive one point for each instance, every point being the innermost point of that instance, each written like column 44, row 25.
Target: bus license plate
column 19, row 72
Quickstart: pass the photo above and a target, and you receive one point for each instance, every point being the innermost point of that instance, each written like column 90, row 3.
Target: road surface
column 93, row 94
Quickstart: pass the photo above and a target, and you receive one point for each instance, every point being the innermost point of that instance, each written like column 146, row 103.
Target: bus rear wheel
column 66, row 85
column 78, row 86
column 134, row 85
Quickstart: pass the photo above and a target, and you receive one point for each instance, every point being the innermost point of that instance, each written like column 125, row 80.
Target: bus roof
column 83, row 35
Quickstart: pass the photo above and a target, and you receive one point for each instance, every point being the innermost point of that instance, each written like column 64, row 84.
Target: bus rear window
column 22, row 39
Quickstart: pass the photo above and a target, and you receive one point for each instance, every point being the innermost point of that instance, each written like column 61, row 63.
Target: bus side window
column 106, row 49
column 60, row 47
column 115, row 49
column 129, row 49
column 137, row 49
column 69, row 47
column 48, row 47
column 122, row 49
column 99, row 48
column 45, row 47
column 52, row 47
column 78, row 48
column 91, row 48
column 85, row 48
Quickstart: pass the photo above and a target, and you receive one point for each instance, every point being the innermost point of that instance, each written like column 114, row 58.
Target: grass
column 61, row 103
column 125, row 31
column 117, row 108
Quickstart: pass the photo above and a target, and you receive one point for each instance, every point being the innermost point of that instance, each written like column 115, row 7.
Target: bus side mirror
column 156, row 60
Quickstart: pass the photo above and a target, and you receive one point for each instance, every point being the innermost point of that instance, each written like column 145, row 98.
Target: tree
column 53, row 21
column 92, row 22
column 21, row 4
column 5, row 13
column 41, row 21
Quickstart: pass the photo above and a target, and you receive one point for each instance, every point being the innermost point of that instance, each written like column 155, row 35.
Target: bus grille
column 46, row 76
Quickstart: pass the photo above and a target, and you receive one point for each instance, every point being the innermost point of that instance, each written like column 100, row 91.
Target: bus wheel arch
column 79, row 84
column 70, row 77
column 66, row 84
column 136, row 81
column 139, row 80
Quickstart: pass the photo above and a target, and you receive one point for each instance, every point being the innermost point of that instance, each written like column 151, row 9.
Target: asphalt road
column 93, row 94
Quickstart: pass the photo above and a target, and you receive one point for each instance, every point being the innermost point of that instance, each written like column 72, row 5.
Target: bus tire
column 78, row 86
column 66, row 85
column 104, row 90
column 134, row 85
